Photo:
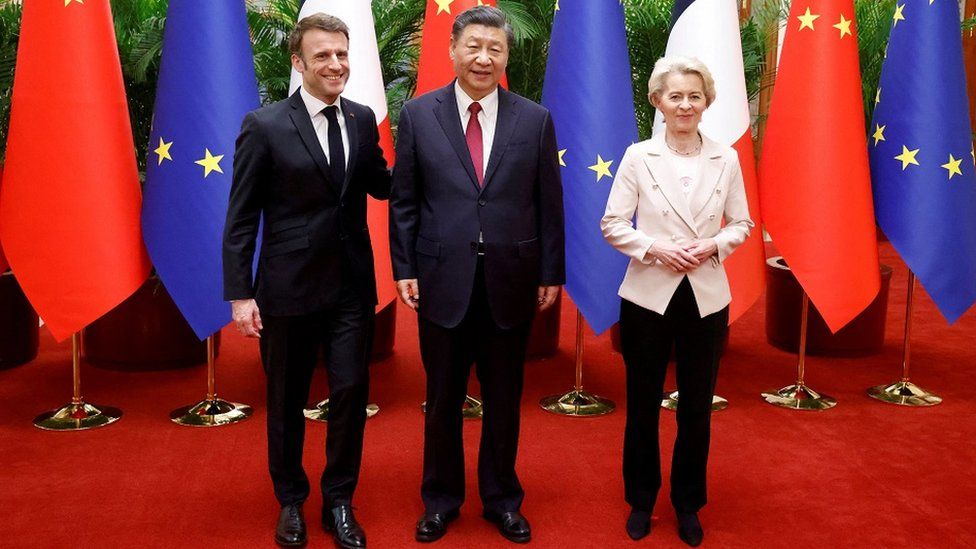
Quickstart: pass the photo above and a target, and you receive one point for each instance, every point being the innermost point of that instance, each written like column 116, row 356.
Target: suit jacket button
column 665, row 212
column 711, row 216
column 482, row 202
column 674, row 238
column 718, row 191
column 654, row 187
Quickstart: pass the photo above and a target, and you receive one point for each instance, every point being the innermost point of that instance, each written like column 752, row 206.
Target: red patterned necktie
column 472, row 134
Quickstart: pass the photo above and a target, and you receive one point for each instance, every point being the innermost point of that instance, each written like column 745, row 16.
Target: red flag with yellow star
column 814, row 179
column 70, row 199
column 435, row 69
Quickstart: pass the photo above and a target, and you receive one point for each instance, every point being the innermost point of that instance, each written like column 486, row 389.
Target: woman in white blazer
column 665, row 210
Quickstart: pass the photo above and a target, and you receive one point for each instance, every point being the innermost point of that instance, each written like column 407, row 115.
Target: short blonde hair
column 684, row 65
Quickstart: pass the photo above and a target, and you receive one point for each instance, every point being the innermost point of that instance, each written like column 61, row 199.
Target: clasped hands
column 686, row 258
column 409, row 292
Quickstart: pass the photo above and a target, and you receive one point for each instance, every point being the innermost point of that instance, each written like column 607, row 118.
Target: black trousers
column 289, row 350
column 646, row 339
column 498, row 355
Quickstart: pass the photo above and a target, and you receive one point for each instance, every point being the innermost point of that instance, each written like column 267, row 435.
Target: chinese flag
column 814, row 178
column 70, row 199
column 435, row 68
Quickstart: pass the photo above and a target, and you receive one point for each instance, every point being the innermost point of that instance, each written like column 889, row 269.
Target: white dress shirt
column 320, row 123
column 488, row 118
column 687, row 168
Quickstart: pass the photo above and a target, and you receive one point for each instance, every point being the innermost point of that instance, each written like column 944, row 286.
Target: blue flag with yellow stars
column 589, row 93
column 921, row 149
column 206, row 86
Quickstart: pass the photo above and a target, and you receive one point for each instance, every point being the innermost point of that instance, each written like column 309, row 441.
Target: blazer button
column 482, row 202
column 665, row 212
column 674, row 238
column 711, row 216
column 654, row 187
column 718, row 191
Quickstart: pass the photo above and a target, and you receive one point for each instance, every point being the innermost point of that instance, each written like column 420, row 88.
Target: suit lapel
column 299, row 117
column 352, row 133
column 446, row 112
column 505, row 124
column 711, row 173
column 667, row 181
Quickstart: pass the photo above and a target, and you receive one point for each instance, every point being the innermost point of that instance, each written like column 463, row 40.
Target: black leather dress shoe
column 290, row 531
column 433, row 526
column 512, row 525
column 345, row 529
column 689, row 529
column 638, row 524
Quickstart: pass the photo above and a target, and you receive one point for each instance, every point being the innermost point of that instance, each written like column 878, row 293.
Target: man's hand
column 409, row 292
column 247, row 317
column 547, row 296
column 702, row 249
column 673, row 256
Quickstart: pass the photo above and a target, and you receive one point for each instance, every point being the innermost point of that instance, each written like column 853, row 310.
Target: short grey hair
column 488, row 16
column 666, row 66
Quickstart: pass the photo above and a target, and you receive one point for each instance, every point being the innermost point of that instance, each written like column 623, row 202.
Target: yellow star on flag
column 66, row 2
column 899, row 16
column 953, row 166
column 557, row 5
column 562, row 153
column 844, row 26
column 907, row 157
column 602, row 168
column 163, row 151
column 878, row 133
column 443, row 5
column 806, row 20
column 210, row 163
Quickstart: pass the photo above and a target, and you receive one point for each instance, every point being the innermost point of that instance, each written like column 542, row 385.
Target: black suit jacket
column 437, row 209
column 314, row 231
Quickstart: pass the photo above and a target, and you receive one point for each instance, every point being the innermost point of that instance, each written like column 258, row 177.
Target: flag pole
column 78, row 415
column 320, row 412
column 904, row 392
column 578, row 403
column 211, row 411
column 798, row 396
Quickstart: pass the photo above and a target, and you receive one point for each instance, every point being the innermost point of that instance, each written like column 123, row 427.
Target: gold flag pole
column 798, row 396
column 578, row 403
column 211, row 411
column 904, row 392
column 78, row 415
column 670, row 402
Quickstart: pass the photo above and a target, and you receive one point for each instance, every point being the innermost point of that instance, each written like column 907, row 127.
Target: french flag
column 709, row 30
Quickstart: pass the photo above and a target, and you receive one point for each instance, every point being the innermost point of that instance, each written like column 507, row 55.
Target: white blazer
column 646, row 183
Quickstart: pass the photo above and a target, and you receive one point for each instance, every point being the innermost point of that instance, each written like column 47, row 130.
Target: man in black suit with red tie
column 306, row 164
column 476, row 236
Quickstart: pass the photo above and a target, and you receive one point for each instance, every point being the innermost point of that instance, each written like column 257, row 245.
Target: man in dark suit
column 306, row 164
column 476, row 223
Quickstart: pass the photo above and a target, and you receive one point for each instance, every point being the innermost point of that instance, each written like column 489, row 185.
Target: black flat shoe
column 290, row 531
column 689, row 529
column 433, row 526
column 345, row 529
column 638, row 524
column 512, row 526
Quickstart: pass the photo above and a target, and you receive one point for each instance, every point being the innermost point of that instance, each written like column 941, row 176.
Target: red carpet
column 864, row 474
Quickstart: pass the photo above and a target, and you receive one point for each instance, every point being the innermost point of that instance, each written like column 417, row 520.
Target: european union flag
column 921, row 148
column 588, row 90
column 206, row 86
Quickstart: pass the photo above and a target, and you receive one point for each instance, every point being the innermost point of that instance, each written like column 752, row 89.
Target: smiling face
column 682, row 102
column 324, row 63
column 480, row 56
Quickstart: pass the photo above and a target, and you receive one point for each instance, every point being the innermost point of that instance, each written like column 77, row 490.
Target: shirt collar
column 315, row 105
column 489, row 103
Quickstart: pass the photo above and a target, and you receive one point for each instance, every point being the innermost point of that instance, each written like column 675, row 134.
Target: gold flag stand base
column 670, row 402
column 904, row 393
column 320, row 412
column 210, row 413
column 471, row 409
column 77, row 417
column 799, row 397
column 577, row 403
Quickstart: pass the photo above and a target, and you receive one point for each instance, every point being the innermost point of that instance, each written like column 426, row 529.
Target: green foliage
column 9, row 35
column 270, row 23
column 531, row 22
column 647, row 24
column 398, row 24
column 874, row 18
